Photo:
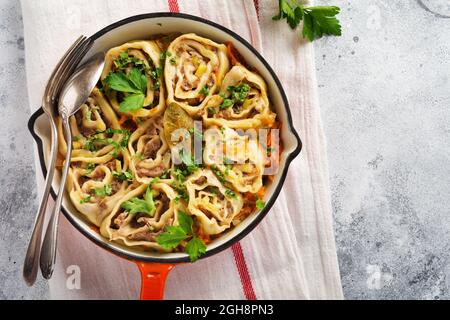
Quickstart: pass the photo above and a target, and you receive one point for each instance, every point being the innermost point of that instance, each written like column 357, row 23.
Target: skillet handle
column 153, row 279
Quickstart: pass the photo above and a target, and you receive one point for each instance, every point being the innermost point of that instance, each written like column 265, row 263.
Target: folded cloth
column 291, row 254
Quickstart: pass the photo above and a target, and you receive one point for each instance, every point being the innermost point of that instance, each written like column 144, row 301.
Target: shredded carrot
column 205, row 237
column 261, row 192
column 128, row 122
column 276, row 125
column 123, row 118
column 231, row 51
column 95, row 228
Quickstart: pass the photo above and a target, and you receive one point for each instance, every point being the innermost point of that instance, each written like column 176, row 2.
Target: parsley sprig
column 174, row 235
column 317, row 21
column 136, row 205
column 134, row 84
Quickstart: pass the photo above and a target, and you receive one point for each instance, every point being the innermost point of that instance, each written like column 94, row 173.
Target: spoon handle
column 30, row 266
column 48, row 250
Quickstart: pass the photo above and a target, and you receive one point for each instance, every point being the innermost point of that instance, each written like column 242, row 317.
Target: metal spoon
column 62, row 71
column 73, row 95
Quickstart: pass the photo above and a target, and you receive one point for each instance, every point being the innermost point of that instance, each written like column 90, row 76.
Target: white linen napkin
column 291, row 254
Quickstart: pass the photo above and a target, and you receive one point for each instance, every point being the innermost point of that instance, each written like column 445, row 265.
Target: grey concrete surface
column 385, row 99
column 18, row 203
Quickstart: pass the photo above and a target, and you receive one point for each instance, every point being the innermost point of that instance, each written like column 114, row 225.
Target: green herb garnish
column 230, row 193
column 90, row 167
column 218, row 174
column 260, row 204
column 103, row 191
column 211, row 111
column 136, row 205
column 226, row 103
column 87, row 115
column 204, row 90
column 85, row 200
column 188, row 161
column 123, row 176
column 174, row 235
column 317, row 21
column 134, row 84
column 240, row 92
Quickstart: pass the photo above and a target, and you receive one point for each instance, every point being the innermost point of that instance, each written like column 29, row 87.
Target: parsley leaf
column 132, row 102
column 136, row 205
column 118, row 81
column 174, row 235
column 317, row 21
column 195, row 248
column 104, row 191
column 138, row 79
column 185, row 222
column 135, row 83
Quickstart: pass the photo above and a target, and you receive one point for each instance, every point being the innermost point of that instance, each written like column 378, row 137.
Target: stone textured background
column 385, row 99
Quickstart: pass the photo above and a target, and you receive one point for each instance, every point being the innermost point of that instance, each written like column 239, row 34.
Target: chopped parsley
column 123, row 175
column 85, row 200
column 230, row 193
column 103, row 191
column 240, row 92
column 90, row 167
column 204, row 91
column 93, row 142
column 211, row 111
column 218, row 174
column 139, row 156
column 237, row 95
column 226, row 103
column 260, row 204
column 87, row 115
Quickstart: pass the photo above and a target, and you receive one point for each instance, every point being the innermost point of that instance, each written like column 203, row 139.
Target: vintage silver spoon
column 75, row 92
column 60, row 74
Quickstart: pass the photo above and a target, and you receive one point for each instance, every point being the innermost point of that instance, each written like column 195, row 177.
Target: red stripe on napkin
column 256, row 3
column 173, row 6
column 238, row 254
column 246, row 281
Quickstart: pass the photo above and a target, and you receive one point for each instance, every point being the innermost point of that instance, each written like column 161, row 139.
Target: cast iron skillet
column 155, row 267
